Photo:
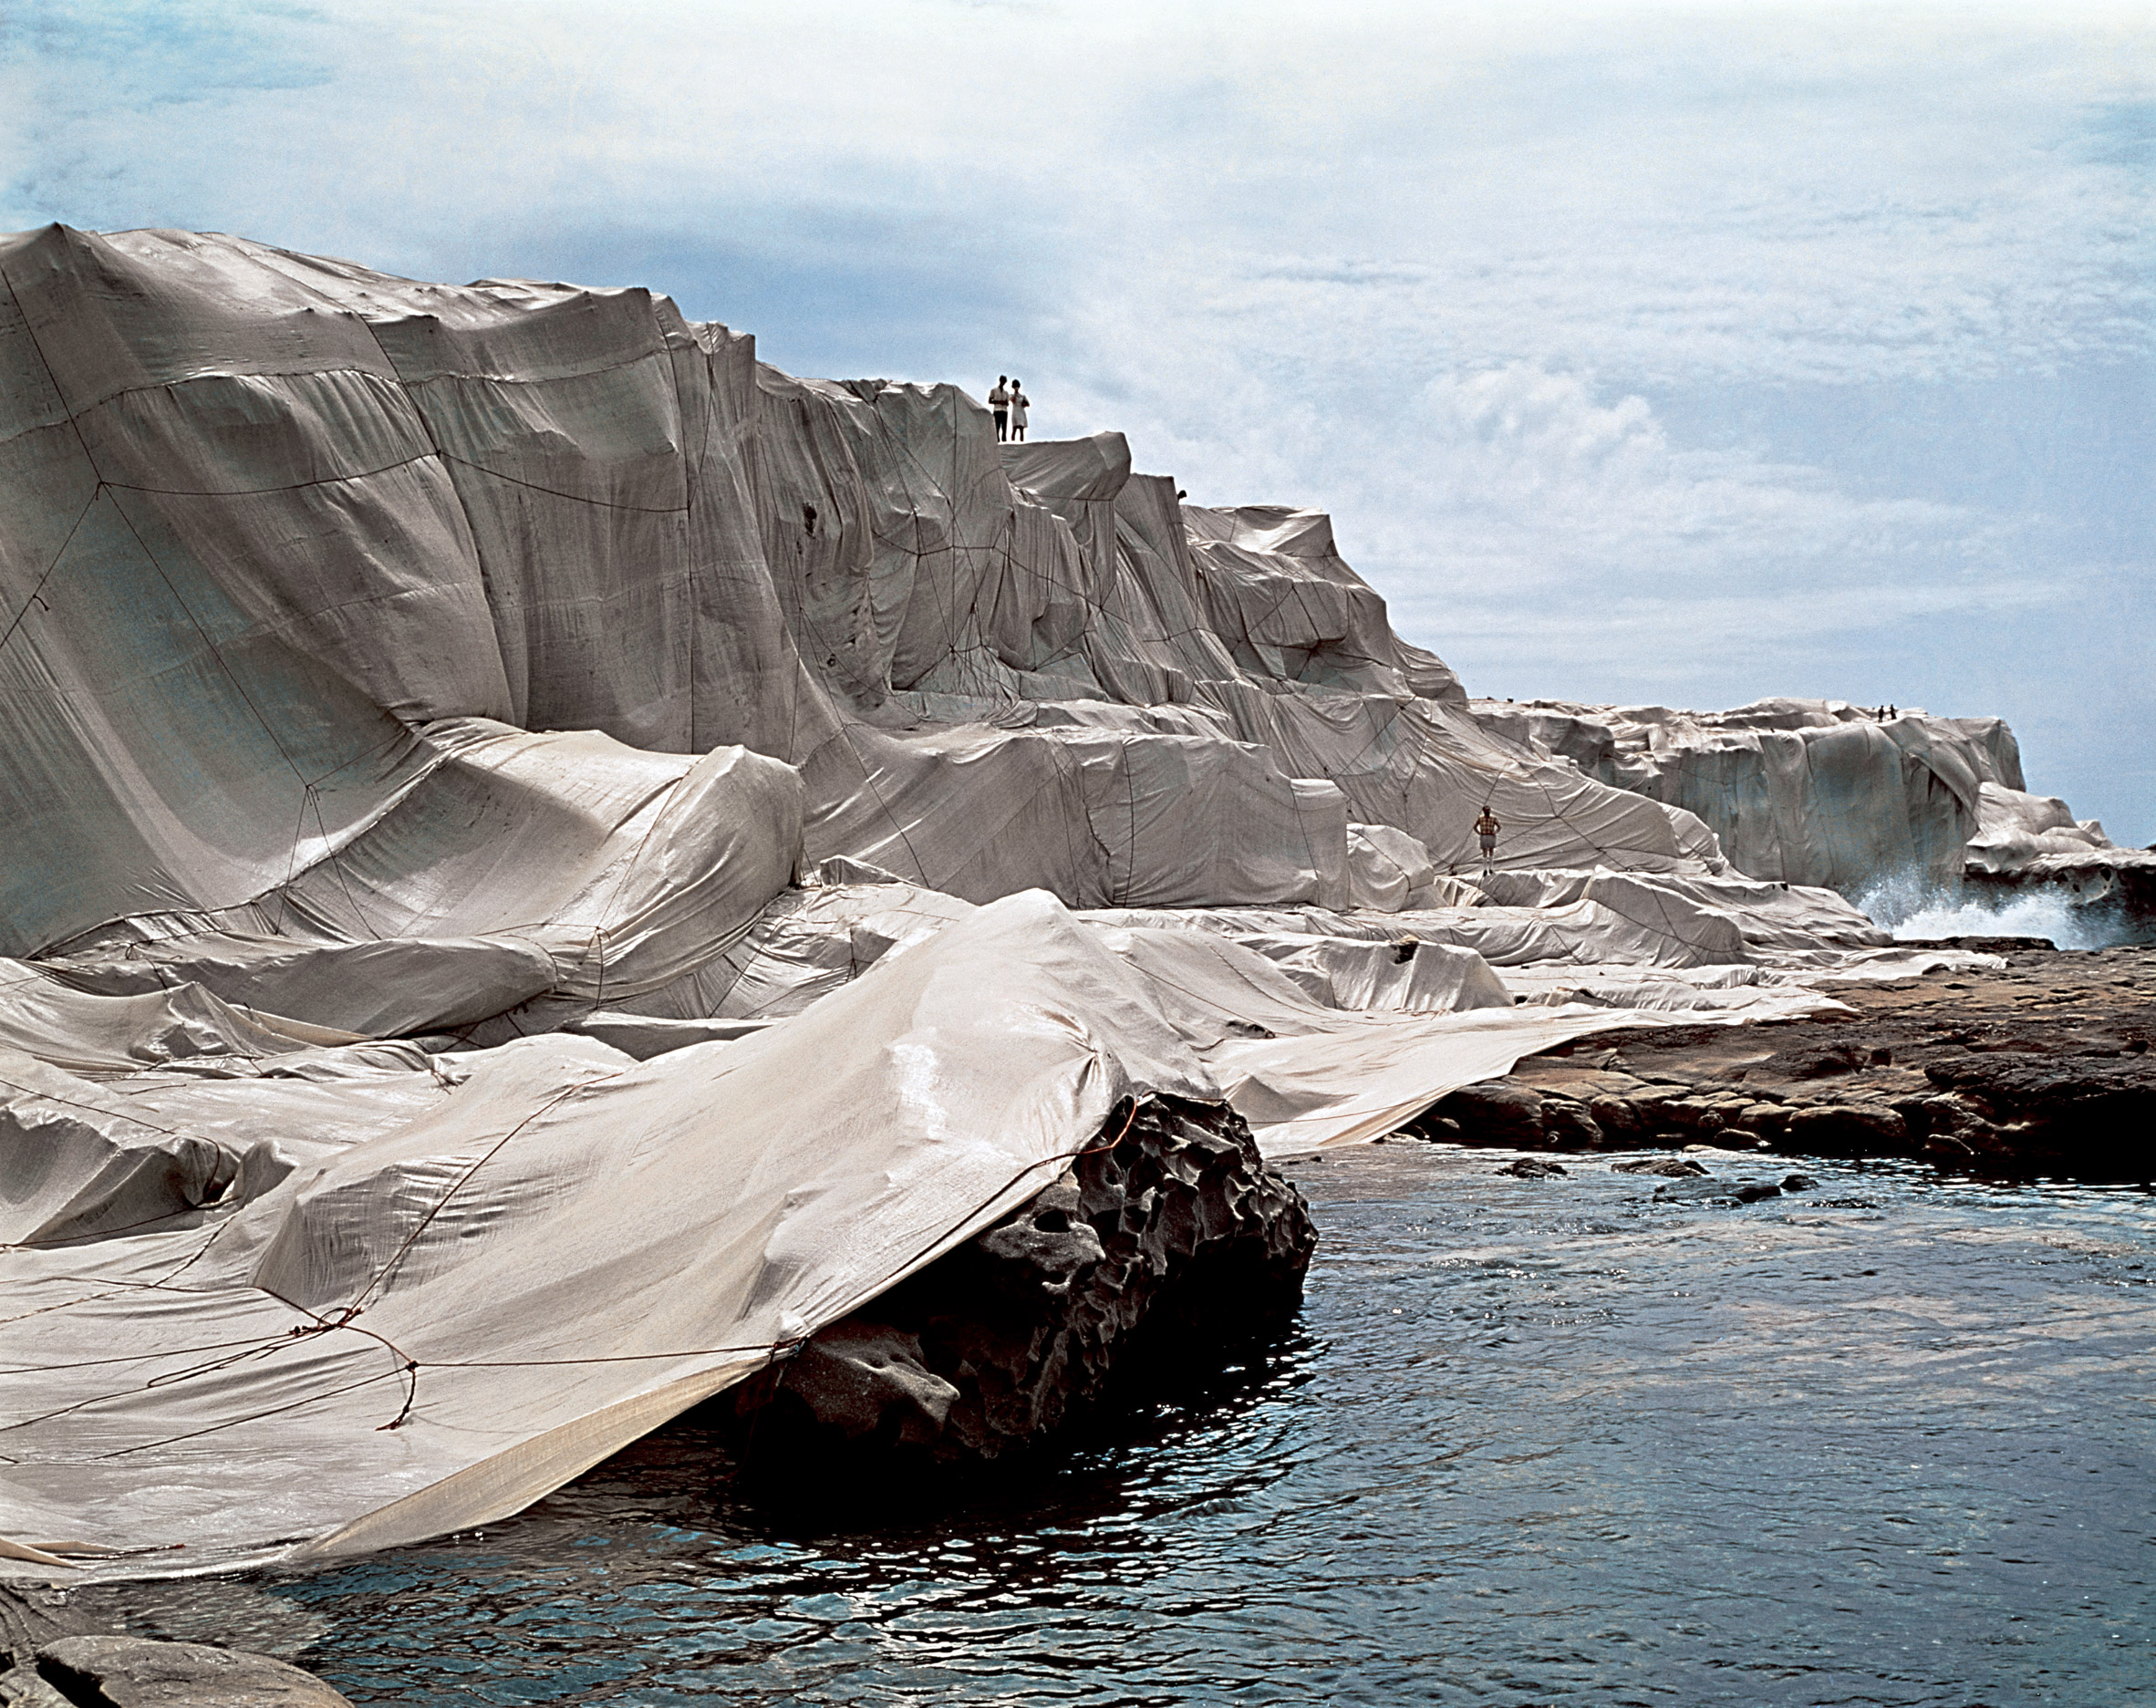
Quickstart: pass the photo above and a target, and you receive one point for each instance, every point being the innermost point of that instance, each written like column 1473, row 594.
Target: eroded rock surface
column 2044, row 1066
column 1669, row 1167
column 116, row 1671
column 1173, row 1247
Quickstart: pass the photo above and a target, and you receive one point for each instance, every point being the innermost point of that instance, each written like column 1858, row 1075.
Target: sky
column 1679, row 354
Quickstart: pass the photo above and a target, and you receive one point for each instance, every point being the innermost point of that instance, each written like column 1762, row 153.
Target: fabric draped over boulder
column 547, row 860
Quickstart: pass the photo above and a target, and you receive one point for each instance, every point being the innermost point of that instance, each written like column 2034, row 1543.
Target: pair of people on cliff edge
column 1008, row 404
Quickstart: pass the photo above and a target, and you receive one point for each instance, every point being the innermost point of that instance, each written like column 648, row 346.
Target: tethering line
column 1099, row 614
column 410, row 1368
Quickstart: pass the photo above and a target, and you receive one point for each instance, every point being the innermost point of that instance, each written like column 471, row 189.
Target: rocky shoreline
column 1167, row 1249
column 2040, row 1067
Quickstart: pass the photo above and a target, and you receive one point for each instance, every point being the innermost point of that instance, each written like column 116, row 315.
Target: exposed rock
column 25, row 1687
column 1172, row 1248
column 1619, row 1120
column 1818, row 1061
column 1675, row 1167
column 1978, row 945
column 1500, row 1112
column 1852, row 1129
column 1568, row 1126
column 1711, row 1191
column 32, row 1616
column 2087, row 1087
column 1533, row 1168
column 2043, row 1066
column 858, row 1375
column 145, row 1672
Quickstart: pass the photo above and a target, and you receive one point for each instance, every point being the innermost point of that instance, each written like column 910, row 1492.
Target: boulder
column 1847, row 1130
column 1672, row 1167
column 1711, row 1191
column 1169, row 1250
column 147, row 1672
column 1497, row 1112
column 1569, row 1126
column 23, row 1688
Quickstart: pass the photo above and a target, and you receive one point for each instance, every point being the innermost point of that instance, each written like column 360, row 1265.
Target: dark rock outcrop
column 1670, row 1167
column 2041, row 1066
column 1713, row 1191
column 1980, row 944
column 1170, row 1250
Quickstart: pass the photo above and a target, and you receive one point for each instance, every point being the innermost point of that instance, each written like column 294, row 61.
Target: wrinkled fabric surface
column 547, row 860
column 2016, row 828
column 1810, row 791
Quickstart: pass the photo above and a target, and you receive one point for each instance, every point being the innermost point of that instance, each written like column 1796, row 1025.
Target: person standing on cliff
column 1000, row 406
column 1018, row 410
column 1486, row 828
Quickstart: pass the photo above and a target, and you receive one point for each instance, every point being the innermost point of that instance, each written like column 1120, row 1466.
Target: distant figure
column 1018, row 410
column 1487, row 827
column 1000, row 406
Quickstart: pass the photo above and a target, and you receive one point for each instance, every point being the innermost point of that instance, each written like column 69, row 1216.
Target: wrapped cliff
column 1860, row 799
column 547, row 862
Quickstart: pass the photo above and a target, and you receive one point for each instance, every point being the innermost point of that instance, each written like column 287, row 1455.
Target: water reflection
column 1538, row 1441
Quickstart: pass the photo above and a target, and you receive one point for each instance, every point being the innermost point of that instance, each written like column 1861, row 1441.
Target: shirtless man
column 1487, row 827
column 1000, row 404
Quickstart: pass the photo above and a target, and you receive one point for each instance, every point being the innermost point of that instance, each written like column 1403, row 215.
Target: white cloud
column 1531, row 464
column 1670, row 194
column 1534, row 514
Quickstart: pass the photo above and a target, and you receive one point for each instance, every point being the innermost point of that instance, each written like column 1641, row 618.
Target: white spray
column 1917, row 904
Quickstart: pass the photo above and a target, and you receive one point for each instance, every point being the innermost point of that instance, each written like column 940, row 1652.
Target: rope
column 1128, row 616
column 410, row 1368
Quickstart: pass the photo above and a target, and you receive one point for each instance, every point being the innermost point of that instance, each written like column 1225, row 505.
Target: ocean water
column 1911, row 905
column 1890, row 1440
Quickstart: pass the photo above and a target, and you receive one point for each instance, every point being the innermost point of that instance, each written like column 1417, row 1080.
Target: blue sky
column 1647, row 352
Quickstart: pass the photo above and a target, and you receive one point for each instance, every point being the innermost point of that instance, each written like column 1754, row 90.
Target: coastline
column 2040, row 1067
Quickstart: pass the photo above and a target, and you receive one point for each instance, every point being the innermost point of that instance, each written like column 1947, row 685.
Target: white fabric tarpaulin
column 546, row 860
column 275, row 1317
column 1803, row 791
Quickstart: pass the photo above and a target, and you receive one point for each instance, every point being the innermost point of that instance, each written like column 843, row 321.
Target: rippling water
column 1890, row 1441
